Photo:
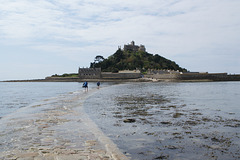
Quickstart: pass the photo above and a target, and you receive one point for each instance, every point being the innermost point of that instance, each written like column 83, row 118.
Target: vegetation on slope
column 66, row 75
column 126, row 60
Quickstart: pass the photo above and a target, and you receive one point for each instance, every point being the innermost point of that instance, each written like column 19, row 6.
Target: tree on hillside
column 118, row 55
column 98, row 59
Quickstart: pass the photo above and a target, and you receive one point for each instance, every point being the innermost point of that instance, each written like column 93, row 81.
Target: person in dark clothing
column 85, row 85
column 98, row 84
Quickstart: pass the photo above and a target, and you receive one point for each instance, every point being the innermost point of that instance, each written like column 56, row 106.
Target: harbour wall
column 109, row 75
column 195, row 76
column 136, row 77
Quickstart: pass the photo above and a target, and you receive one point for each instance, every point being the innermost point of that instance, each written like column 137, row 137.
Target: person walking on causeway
column 98, row 84
column 85, row 85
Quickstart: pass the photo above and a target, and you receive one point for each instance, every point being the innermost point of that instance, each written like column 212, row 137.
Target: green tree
column 98, row 59
column 118, row 55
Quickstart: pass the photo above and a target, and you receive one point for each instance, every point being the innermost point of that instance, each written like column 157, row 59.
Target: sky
column 39, row 38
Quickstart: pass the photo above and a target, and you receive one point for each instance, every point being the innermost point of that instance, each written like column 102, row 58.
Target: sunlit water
column 170, row 120
column 19, row 95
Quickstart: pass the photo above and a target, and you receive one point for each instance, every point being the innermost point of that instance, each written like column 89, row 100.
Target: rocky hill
column 128, row 60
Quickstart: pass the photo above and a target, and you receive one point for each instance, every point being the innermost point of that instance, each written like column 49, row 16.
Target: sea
column 148, row 120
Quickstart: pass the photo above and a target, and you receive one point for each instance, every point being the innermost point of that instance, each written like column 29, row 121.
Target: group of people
column 85, row 85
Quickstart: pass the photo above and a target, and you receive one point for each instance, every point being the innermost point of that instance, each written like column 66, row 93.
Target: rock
column 27, row 158
column 90, row 143
column 44, row 158
column 71, row 157
column 129, row 120
column 215, row 140
column 215, row 147
column 162, row 157
column 172, row 147
column 22, row 156
column 165, row 122
column 177, row 115
column 193, row 123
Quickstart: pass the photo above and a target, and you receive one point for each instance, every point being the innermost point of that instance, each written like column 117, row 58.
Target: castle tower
column 142, row 48
column 133, row 43
column 134, row 48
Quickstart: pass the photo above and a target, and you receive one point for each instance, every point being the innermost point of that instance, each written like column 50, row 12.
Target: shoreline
column 120, row 80
column 56, row 128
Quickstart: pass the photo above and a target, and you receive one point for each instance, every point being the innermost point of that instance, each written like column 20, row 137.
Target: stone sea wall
column 196, row 76
column 161, row 76
column 199, row 76
column 136, row 77
column 107, row 75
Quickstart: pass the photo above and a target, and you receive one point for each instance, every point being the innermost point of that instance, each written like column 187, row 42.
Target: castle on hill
column 134, row 48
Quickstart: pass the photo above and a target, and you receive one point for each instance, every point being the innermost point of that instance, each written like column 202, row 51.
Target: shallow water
column 146, row 120
column 21, row 106
column 54, row 127
column 170, row 120
column 18, row 94
column 15, row 95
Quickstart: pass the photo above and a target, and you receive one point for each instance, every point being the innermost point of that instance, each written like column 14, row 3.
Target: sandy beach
column 55, row 130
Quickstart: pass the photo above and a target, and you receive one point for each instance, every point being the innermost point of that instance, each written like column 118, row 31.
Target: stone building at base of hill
column 89, row 73
column 95, row 73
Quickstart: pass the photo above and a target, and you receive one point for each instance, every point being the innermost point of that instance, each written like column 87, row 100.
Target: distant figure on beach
column 98, row 84
column 85, row 85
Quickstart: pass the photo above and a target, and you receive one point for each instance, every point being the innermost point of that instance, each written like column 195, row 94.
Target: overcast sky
column 39, row 38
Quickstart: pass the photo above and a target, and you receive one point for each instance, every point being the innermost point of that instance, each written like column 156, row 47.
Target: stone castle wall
column 134, row 48
column 95, row 73
column 109, row 75
column 161, row 76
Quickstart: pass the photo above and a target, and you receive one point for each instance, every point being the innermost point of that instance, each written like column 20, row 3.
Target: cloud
column 85, row 28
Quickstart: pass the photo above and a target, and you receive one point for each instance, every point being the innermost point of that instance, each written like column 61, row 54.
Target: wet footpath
column 55, row 129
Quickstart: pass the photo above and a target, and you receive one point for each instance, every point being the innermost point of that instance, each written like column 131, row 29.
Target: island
column 134, row 63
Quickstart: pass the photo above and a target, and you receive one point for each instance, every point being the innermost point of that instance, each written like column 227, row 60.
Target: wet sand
column 56, row 128
column 167, row 121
